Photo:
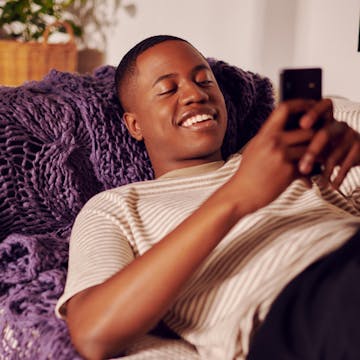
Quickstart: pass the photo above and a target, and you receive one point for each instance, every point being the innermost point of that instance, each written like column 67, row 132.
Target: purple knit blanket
column 62, row 141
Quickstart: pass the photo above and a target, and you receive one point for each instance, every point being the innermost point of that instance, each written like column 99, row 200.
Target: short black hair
column 127, row 65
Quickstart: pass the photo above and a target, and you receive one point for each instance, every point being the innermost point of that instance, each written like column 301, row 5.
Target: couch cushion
column 61, row 141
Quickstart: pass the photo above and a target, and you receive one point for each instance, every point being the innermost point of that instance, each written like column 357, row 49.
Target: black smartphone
column 303, row 83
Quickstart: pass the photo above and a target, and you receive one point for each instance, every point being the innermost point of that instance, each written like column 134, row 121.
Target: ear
column 133, row 126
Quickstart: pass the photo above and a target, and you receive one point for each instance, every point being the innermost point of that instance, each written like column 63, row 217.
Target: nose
column 192, row 92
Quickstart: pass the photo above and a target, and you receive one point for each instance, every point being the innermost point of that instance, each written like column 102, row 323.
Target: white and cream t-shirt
column 242, row 276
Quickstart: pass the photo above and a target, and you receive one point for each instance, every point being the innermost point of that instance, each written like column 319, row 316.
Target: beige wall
column 258, row 35
column 327, row 35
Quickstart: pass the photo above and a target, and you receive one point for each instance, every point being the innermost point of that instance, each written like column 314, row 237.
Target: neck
column 165, row 168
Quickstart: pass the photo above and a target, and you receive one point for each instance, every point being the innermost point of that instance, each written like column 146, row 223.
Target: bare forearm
column 134, row 300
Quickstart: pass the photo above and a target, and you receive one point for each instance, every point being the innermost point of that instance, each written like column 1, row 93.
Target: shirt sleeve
column 98, row 249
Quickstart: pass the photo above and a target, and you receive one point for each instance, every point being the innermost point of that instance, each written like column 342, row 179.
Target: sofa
column 62, row 140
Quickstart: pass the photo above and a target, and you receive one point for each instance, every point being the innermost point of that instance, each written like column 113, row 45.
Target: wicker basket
column 22, row 61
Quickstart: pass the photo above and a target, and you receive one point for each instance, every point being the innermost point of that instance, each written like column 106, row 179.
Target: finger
column 307, row 181
column 299, row 136
column 351, row 159
column 295, row 153
column 338, row 152
column 278, row 118
column 322, row 111
column 321, row 141
column 335, row 158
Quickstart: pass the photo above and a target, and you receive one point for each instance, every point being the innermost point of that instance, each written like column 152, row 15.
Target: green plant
column 27, row 19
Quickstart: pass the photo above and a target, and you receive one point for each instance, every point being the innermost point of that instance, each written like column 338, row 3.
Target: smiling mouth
column 196, row 120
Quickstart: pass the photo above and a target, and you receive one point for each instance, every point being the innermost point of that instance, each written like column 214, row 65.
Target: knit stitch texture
column 62, row 141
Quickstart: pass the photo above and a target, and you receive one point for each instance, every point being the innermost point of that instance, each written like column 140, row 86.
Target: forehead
column 168, row 57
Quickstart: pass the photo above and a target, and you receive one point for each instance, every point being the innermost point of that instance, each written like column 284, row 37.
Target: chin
column 201, row 152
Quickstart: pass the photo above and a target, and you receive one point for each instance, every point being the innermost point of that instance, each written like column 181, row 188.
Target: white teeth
column 196, row 119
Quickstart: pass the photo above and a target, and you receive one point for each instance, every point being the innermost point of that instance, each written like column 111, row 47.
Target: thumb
column 277, row 119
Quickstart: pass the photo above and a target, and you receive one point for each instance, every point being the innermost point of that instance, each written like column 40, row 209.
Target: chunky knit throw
column 62, row 141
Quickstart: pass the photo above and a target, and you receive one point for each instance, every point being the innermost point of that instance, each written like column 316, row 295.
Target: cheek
column 164, row 113
column 220, row 101
column 158, row 123
column 162, row 116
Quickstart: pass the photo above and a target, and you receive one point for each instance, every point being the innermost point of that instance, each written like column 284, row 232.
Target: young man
column 208, row 245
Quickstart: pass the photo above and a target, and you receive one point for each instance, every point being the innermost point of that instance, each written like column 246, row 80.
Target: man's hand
column 335, row 143
column 275, row 156
column 270, row 161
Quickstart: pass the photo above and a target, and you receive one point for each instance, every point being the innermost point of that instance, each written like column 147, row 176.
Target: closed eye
column 205, row 82
column 168, row 91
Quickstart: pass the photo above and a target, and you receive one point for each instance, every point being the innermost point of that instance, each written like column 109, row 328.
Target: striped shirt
column 233, row 289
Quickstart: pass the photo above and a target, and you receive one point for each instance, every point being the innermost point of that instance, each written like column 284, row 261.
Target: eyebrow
column 172, row 75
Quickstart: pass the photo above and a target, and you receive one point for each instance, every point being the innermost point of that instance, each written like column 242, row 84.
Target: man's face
column 178, row 108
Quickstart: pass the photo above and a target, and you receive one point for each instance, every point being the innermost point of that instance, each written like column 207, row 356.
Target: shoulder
column 120, row 193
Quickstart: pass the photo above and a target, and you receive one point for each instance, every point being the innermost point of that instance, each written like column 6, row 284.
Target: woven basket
column 23, row 61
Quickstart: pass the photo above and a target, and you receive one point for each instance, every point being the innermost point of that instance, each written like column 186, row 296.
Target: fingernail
column 306, row 163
